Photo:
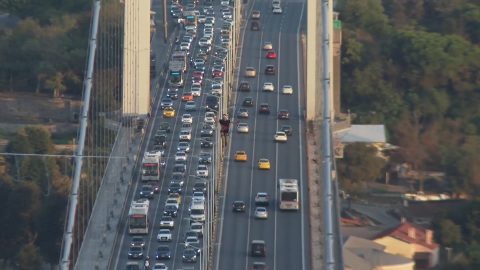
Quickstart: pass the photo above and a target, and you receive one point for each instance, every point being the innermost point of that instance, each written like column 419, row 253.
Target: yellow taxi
column 169, row 112
column 175, row 196
column 264, row 164
column 240, row 156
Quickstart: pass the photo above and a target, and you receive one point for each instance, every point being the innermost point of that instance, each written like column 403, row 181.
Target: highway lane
column 286, row 246
column 182, row 223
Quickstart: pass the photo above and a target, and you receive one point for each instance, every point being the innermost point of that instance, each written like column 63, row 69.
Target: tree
column 40, row 140
column 29, row 258
column 450, row 233
column 360, row 164
column 367, row 15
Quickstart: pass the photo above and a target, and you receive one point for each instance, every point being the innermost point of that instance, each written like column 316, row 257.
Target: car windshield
column 167, row 219
column 163, row 248
column 175, row 185
column 136, row 249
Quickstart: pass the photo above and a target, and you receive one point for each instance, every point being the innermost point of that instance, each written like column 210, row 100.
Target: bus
column 176, row 78
column 177, row 57
column 190, row 20
column 289, row 197
column 151, row 164
column 138, row 217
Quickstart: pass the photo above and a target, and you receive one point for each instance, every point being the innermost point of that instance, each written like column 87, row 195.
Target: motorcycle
column 177, row 40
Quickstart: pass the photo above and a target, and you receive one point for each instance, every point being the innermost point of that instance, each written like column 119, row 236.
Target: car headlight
column 165, row 212
column 194, row 257
column 183, row 256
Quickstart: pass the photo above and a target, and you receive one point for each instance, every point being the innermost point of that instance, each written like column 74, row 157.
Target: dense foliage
column 45, row 52
column 414, row 65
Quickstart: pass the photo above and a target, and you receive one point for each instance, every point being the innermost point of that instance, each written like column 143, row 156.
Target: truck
column 151, row 165
column 138, row 217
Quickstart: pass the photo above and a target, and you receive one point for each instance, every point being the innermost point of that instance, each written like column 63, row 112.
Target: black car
column 212, row 103
column 172, row 93
column 283, row 114
column 258, row 248
column 269, row 70
column 205, row 158
column 247, row 102
column 138, row 241
column 264, row 109
column 238, row 206
column 175, row 188
column 206, row 131
column 244, row 87
column 179, row 169
column 163, row 253
column 287, row 129
column 200, row 187
column 255, row 26
column 135, row 253
column 160, row 140
column 178, row 178
column 147, row 192
column 259, row 266
column 206, row 143
column 170, row 210
column 189, row 255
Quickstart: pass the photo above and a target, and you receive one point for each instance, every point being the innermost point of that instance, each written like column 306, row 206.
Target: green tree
column 360, row 164
column 29, row 258
column 367, row 15
column 40, row 140
column 450, row 233
column 20, row 143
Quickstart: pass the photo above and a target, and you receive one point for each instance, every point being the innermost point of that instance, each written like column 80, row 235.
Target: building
column 411, row 241
column 422, row 212
column 363, row 254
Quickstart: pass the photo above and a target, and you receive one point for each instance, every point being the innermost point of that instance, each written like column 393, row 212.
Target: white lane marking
column 253, row 155
column 227, row 155
column 276, row 155
column 302, row 150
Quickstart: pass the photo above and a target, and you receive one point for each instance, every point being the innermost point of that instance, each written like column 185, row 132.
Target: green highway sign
column 337, row 24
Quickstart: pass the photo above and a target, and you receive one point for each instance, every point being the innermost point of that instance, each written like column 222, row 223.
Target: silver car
column 261, row 212
column 166, row 102
column 167, row 222
column 262, row 198
column 190, row 106
column 183, row 146
column 198, row 228
column 205, row 157
column 242, row 128
column 207, row 131
column 164, row 235
column 242, row 113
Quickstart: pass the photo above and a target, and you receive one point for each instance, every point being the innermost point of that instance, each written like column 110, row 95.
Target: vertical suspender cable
column 68, row 234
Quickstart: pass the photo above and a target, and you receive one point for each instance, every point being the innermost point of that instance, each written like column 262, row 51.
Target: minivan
column 197, row 213
column 258, row 248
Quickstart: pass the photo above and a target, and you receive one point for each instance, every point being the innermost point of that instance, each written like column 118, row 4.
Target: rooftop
column 402, row 232
column 428, row 209
column 362, row 133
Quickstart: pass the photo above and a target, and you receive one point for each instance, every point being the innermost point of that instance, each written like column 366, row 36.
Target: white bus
column 190, row 21
column 138, row 217
column 289, row 197
column 151, row 164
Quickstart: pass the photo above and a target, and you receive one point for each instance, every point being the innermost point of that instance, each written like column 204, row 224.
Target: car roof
column 241, row 152
column 263, row 104
column 239, row 202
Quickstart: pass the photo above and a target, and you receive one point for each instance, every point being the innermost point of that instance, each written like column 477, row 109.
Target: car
column 196, row 88
column 160, row 266
column 186, row 125
column 268, row 86
column 247, row 102
column 227, row 15
column 190, row 106
column 269, row 70
column 169, row 112
column 238, row 206
column 209, row 116
column 178, row 178
column 264, row 164
column 147, row 192
column 164, row 235
column 283, row 114
column 173, row 201
column 192, row 241
column 267, row 45
column 277, row 10
column 287, row 90
column 241, row 156
column 244, row 87
column 135, row 253
column 287, row 129
column 216, row 89
column 175, row 196
column 206, row 131
column 208, row 33
column 264, row 109
column 138, row 241
column 255, row 14
column 164, row 126
column 198, row 196
column 242, row 113
column 203, row 55
column 198, row 228
column 204, row 42
column 167, row 221
column 217, row 73
column 262, row 199
column 179, row 169
column 261, row 212
column 202, row 170
column 218, row 67
column 187, row 118
column 255, row 26
column 209, row 23
column 189, row 255
column 172, row 93
column 155, row 186
column 187, row 96
column 174, row 188
column 200, row 187
column 170, row 210
column 157, row 150
column 201, row 18
column 205, row 157
column 271, row 54
column 205, row 49
column 242, row 128
column 225, row 2
column 280, row 136
column 160, row 140
column 163, row 253
column 181, row 155
column 190, row 234
column 250, row 72
column 183, row 146
column 166, row 102
column 258, row 248
column 185, row 46
column 206, row 143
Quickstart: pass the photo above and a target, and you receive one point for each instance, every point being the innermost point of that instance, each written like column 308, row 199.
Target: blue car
column 163, row 253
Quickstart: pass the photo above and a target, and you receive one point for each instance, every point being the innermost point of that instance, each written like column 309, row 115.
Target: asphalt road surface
column 286, row 233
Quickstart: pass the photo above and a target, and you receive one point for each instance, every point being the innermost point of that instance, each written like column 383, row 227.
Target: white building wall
column 136, row 58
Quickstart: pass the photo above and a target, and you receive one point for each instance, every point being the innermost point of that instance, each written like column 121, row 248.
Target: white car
column 202, row 170
column 198, row 196
column 201, row 18
column 181, row 155
column 216, row 89
column 192, row 241
column 204, row 42
column 173, row 201
column 196, row 90
column 167, row 222
column 184, row 46
column 211, row 18
column 187, row 118
column 287, row 90
column 199, row 61
column 209, row 24
column 198, row 228
column 208, row 28
column 164, row 235
column 280, row 136
column 242, row 128
column 210, row 122
column 160, row 266
column 185, row 135
column 261, row 212
column 225, row 2
column 208, row 34
column 209, row 116
column 268, row 86
column 277, row 10
column 183, row 146
column 267, row 45
column 225, row 10
column 227, row 15
column 190, row 106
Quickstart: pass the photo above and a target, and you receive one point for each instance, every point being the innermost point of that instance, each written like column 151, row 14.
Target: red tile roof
column 401, row 232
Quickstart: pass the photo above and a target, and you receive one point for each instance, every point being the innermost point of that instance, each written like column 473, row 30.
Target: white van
column 275, row 3
column 197, row 212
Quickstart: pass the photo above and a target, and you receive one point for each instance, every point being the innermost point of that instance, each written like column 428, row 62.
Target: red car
column 197, row 74
column 154, row 184
column 271, row 54
column 197, row 80
column 217, row 73
column 264, row 109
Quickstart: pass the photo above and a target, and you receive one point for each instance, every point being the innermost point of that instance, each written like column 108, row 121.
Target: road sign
column 337, row 24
